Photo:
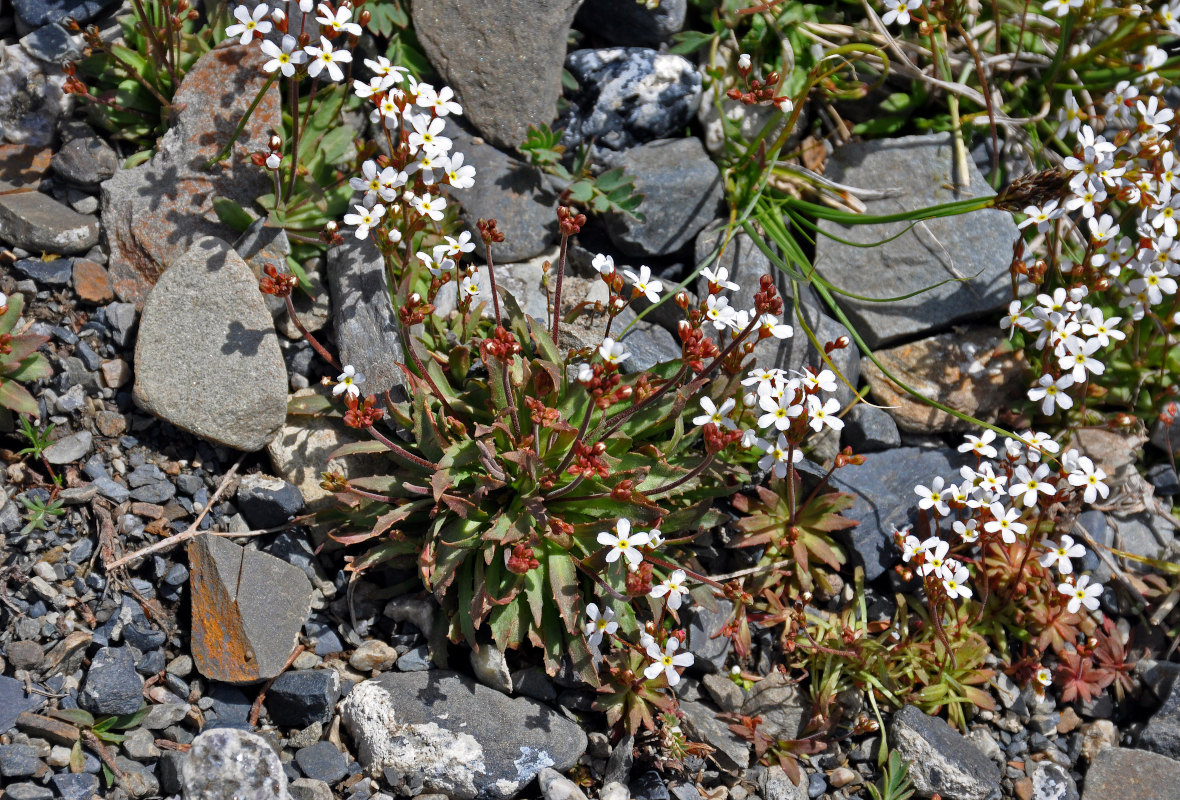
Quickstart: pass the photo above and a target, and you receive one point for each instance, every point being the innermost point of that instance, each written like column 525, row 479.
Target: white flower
column 338, row 21
column 459, row 175
column 1044, row 676
column 667, row 660
column 429, row 206
column 441, row 101
column 910, row 548
column 968, row 531
column 934, row 496
column 1037, row 443
column 1081, row 594
column 1041, row 216
column 324, row 57
column 718, row 416
column 936, row 551
column 386, row 69
column 821, row 414
column 771, row 325
column 1052, row 392
column 604, row 264
column 1062, row 554
column 672, row 586
column 348, row 382
column 956, row 583
column 613, row 352
column 623, row 543
column 824, row 380
column 585, row 373
column 645, row 285
column 365, row 219
column 744, row 62
column 719, row 312
column 1030, row 484
column 426, row 134
column 779, row 455
column 469, row 287
column 463, row 244
column 1005, row 523
column 437, row 262
column 600, row 623
column 250, row 23
column 779, row 411
column 283, row 58
column 980, row 445
column 1061, row 7
column 899, row 11
column 1089, row 476
column 719, row 278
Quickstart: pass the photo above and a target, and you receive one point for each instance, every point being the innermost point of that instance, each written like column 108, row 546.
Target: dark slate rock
column 732, row 753
column 265, row 502
column 76, row 786
column 629, row 95
column 703, row 640
column 416, row 659
column 35, row 13
column 631, row 24
column 230, row 704
column 121, row 318
column 143, row 635
column 1118, row 772
column 367, row 333
column 299, row 698
column 50, row 43
column 868, row 429
column 884, row 490
column 941, row 759
column 50, row 273
column 1162, row 734
column 112, row 684
column 648, row 785
column 37, row 223
column 505, row 66
column 975, row 246
column 513, row 737
column 323, row 762
column 682, row 194
column 112, row 490
column 19, row 761
column 160, row 492
column 86, row 162
column 168, row 770
column 1164, row 479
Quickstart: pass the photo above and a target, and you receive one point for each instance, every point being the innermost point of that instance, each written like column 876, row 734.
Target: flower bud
column 276, row 142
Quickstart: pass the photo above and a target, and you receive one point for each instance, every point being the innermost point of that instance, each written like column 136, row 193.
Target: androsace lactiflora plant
column 539, row 493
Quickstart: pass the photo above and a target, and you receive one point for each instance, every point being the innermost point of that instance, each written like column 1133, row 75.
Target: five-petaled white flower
column 672, row 586
column 719, row 278
column 1051, row 392
column 469, row 287
column 933, row 496
column 600, row 623
column 429, row 206
column 1030, row 485
column 955, row 583
column 613, row 352
column 1089, row 476
column 338, row 20
column 899, row 11
column 348, row 382
column 624, row 543
column 283, row 58
column 604, row 264
column 1082, row 593
column 459, row 175
column 1044, row 676
column 1004, row 522
column 823, row 413
column 250, row 23
column 719, row 416
column 1062, row 553
column 645, row 285
column 666, row 660
column 325, row 57
column 980, row 445
column 365, row 219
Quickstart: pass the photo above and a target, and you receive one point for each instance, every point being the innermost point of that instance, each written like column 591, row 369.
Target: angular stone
column 780, row 704
column 941, row 759
column 22, row 166
column 976, row 372
column 69, row 449
column 506, row 71
column 1162, row 734
column 367, row 334
column 266, row 502
column 972, row 250
column 38, row 223
column 297, row 698
column 36, row 13
column 31, row 97
column 884, row 490
column 87, row 162
column 868, row 429
column 459, row 737
column 627, row 23
column 207, row 358
column 248, row 609
column 91, row 282
column 732, row 753
column 682, row 193
column 55, row 272
column 112, row 684
column 226, row 762
column 153, row 213
column 1122, row 772
column 52, row 43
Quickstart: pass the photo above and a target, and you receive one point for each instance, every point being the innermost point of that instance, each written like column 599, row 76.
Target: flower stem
column 401, row 451
column 557, row 291
column 319, row 348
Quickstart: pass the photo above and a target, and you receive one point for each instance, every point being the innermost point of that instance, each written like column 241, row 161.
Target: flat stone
column 555, row 786
column 507, row 74
column 627, row 23
column 459, row 737
column 152, row 214
column 298, row 698
column 52, row 43
column 368, row 335
column 780, row 704
column 75, row 785
column 27, row 791
column 55, row 272
column 226, row 762
column 266, row 502
column 868, row 429
column 112, row 685
column 704, row 635
column 69, row 449
column 248, row 609
column 732, row 753
column 207, row 358
column 31, row 97
column 36, row 222
column 36, row 13
column 91, row 282
column 941, row 759
column 682, row 194
column 86, row 162
column 373, row 655
column 884, row 491
column 630, row 95
column 25, row 655
column 19, row 761
column 323, row 762
column 975, row 372
column 22, row 166
column 116, row 374
column 775, row 784
column 973, row 250
column 1138, row 774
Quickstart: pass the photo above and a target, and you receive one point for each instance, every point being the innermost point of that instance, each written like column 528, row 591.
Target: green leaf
column 74, row 716
column 687, row 42
column 563, row 582
column 126, row 721
column 232, row 214
column 15, row 397
column 9, row 318
column 33, row 368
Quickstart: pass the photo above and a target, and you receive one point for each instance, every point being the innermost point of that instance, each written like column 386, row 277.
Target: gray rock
column 941, row 759
column 51, row 273
column 682, row 193
column 19, row 761
column 161, row 715
column 780, row 704
column 323, row 762
column 298, row 698
column 704, row 641
column 310, row 789
column 51, row 43
column 416, row 659
column 629, row 95
column 507, row 74
column 976, row 247
column 69, row 449
column 140, row 744
column 373, row 655
column 27, row 791
column 1122, row 772
column 512, row 192
column 36, row 13
column 112, row 490
column 36, row 222
column 207, row 358
column 75, row 785
column 884, row 490
column 628, row 23
column 555, row 786
column 121, row 319
column 732, row 753
column 459, row 737
column 86, row 162
column 774, row 784
column 1162, row 733
column 491, row 668
column 367, row 332
column 725, row 693
column 1050, row 780
column 31, row 98
column 868, row 429
column 248, row 609
column 112, row 684
column 266, row 502
column 226, row 762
